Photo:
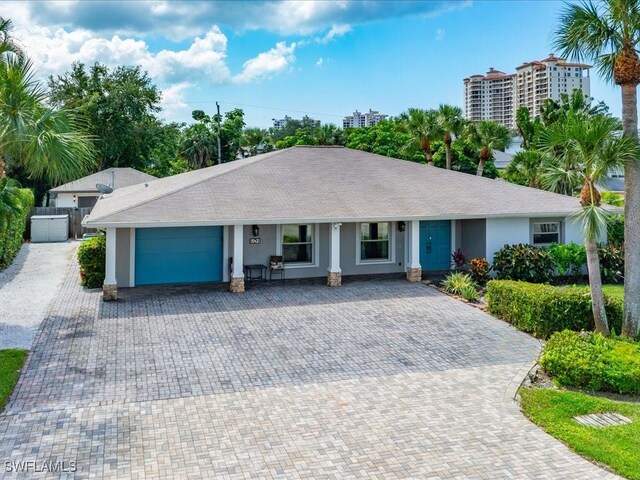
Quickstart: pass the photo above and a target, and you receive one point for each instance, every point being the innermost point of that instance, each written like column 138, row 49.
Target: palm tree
column 593, row 143
column 10, row 204
column 8, row 45
column 526, row 168
column 329, row 134
column 253, row 138
column 199, row 145
column 487, row 136
column 451, row 121
column 607, row 34
column 48, row 143
column 423, row 126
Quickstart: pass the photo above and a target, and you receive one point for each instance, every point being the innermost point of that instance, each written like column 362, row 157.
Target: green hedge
column 594, row 362
column 11, row 237
column 91, row 256
column 544, row 309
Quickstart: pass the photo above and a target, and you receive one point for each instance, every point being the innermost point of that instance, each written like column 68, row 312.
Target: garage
column 178, row 255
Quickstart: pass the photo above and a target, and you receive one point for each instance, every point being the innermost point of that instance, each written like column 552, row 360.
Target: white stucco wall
column 501, row 231
column 65, row 200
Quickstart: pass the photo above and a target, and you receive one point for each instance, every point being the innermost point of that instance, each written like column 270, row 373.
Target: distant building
column 498, row 95
column 306, row 121
column 357, row 120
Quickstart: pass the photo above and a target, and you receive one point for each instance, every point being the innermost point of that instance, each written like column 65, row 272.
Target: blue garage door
column 435, row 245
column 178, row 255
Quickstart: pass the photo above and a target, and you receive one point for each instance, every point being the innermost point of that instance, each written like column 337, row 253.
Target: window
column 375, row 241
column 546, row 232
column 297, row 244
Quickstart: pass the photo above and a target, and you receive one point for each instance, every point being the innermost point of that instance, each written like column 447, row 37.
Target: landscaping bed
column 11, row 362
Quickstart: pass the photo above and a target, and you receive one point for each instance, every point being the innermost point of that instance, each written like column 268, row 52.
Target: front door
column 435, row 245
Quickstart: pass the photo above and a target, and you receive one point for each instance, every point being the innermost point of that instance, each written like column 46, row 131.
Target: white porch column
column 334, row 277
column 237, row 274
column 414, row 270
column 110, row 285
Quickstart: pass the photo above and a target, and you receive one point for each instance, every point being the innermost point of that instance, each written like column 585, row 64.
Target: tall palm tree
column 608, row 33
column 424, row 128
column 48, row 143
column 593, row 143
column 526, row 167
column 8, row 45
column 487, row 136
column 451, row 121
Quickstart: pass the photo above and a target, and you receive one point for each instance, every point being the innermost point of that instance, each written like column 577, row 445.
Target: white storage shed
column 49, row 228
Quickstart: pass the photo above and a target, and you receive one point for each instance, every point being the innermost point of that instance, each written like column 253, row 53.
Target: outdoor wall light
column 256, row 230
column 402, row 226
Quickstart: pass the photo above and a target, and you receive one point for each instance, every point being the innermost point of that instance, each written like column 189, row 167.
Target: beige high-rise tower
column 497, row 95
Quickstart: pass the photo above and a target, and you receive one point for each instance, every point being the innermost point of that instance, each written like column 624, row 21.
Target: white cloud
column 440, row 34
column 185, row 19
column 335, row 31
column 319, row 62
column 173, row 100
column 267, row 63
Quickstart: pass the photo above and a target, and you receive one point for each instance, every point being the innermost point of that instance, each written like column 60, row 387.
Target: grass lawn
column 11, row 362
column 618, row 447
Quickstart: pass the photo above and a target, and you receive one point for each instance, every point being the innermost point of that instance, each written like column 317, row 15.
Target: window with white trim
column 545, row 233
column 375, row 241
column 297, row 244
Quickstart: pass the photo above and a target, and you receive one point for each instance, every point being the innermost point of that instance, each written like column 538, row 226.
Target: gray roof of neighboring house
column 320, row 184
column 502, row 159
column 114, row 177
column 612, row 184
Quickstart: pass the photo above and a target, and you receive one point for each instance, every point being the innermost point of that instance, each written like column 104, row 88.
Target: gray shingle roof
column 612, row 184
column 502, row 159
column 114, row 177
column 320, row 184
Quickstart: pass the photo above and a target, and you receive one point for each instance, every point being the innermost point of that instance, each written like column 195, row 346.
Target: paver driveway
column 381, row 379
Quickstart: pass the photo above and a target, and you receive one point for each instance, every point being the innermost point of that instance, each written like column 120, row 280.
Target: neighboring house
column 329, row 211
column 502, row 159
column 83, row 192
column 613, row 184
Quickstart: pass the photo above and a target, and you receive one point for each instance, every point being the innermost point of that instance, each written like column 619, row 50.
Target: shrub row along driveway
column 381, row 379
column 27, row 287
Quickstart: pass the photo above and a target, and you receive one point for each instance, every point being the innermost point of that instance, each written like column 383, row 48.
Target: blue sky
column 323, row 58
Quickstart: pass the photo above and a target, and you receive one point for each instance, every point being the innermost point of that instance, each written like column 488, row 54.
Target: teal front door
column 435, row 245
column 178, row 255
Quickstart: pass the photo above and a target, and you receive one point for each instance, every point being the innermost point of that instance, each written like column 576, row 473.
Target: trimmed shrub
column 615, row 230
column 523, row 262
column 91, row 257
column 479, row 270
column 456, row 283
column 591, row 361
column 11, row 235
column 611, row 263
column 545, row 309
column 568, row 258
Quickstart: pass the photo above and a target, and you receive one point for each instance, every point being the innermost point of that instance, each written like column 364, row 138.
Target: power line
column 259, row 106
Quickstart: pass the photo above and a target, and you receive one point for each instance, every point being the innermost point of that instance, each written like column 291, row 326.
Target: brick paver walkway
column 381, row 379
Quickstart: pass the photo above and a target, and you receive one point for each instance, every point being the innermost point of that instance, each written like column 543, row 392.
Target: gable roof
column 320, row 184
column 114, row 177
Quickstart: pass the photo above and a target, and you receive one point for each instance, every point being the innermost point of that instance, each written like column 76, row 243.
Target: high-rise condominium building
column 283, row 122
column 497, row 95
column 358, row 119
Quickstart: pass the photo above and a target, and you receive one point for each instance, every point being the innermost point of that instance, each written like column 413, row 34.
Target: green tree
column 451, row 121
column 198, row 144
column 119, row 107
column 487, row 136
column 47, row 143
column 607, row 33
column 231, row 134
column 9, row 47
column 464, row 158
column 424, row 128
column 386, row 138
column 595, row 144
column 525, row 168
column 252, row 138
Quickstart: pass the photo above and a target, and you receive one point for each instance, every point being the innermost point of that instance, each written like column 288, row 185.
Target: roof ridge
column 251, row 161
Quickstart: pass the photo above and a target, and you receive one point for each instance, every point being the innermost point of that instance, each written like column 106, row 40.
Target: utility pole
column 218, row 117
